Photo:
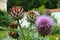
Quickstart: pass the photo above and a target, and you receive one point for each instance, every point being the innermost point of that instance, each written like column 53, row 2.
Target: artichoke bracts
column 13, row 26
column 47, row 12
column 44, row 25
column 16, row 12
column 32, row 16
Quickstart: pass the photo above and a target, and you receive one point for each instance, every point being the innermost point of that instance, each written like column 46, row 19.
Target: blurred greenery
column 56, row 29
column 2, row 34
column 41, row 9
column 26, row 4
column 53, row 37
column 55, row 20
column 4, row 18
column 30, row 4
column 30, row 33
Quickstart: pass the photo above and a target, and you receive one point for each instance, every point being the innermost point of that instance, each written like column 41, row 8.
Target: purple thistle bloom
column 44, row 24
column 44, row 20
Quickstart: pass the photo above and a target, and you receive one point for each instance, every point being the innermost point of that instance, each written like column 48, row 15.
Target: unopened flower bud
column 16, row 12
column 32, row 16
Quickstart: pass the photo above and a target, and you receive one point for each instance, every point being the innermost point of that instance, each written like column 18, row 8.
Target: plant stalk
column 21, row 30
column 28, row 31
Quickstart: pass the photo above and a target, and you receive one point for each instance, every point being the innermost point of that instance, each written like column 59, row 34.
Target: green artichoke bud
column 16, row 12
column 32, row 16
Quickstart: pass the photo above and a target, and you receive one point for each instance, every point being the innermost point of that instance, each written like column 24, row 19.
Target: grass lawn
column 2, row 34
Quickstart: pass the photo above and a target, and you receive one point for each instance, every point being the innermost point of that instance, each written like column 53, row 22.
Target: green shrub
column 40, row 9
column 4, row 18
column 26, row 4
column 30, row 4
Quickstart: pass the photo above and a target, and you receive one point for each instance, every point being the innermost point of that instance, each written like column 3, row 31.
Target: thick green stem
column 28, row 31
column 21, row 30
column 17, row 39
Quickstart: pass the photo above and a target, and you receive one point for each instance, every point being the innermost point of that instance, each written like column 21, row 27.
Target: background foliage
column 26, row 4
column 30, row 4
column 4, row 18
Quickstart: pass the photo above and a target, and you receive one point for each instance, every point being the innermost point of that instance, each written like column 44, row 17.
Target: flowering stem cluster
column 43, row 24
column 21, row 30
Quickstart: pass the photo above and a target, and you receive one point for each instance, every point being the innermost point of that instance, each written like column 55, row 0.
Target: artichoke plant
column 32, row 16
column 13, row 26
column 16, row 12
column 47, row 12
column 44, row 25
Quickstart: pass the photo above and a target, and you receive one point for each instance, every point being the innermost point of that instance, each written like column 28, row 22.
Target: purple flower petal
column 44, row 20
